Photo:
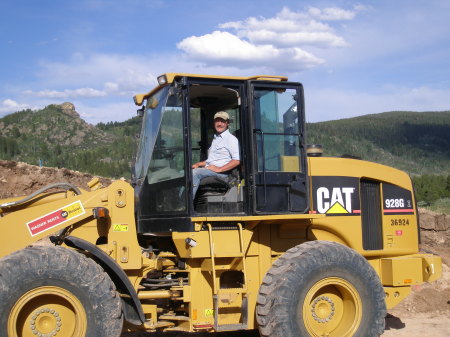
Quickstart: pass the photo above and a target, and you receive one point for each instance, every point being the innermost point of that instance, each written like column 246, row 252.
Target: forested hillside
column 56, row 136
column 416, row 142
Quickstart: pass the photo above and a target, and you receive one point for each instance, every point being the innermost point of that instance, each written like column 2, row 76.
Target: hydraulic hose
column 65, row 186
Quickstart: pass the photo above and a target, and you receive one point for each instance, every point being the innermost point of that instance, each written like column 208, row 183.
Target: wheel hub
column 332, row 307
column 45, row 322
column 47, row 311
column 322, row 309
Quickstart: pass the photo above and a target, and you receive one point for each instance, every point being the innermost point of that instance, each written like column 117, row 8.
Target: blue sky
column 352, row 57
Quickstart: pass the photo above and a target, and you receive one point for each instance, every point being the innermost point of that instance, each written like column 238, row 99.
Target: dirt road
column 413, row 325
column 416, row 325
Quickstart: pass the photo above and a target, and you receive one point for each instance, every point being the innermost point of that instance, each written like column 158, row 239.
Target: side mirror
column 140, row 112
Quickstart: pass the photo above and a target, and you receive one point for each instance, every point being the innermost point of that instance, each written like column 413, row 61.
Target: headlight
column 162, row 80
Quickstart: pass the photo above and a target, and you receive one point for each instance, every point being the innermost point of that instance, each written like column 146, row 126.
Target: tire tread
column 271, row 311
column 37, row 262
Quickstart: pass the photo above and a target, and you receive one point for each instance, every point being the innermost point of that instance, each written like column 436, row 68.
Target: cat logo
column 336, row 195
column 336, row 201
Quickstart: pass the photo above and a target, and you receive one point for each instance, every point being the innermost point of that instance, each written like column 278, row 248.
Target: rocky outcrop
column 69, row 109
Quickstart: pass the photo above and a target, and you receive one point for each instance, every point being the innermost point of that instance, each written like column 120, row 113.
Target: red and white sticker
column 55, row 218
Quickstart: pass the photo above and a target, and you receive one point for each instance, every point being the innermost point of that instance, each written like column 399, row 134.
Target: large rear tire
column 321, row 288
column 53, row 291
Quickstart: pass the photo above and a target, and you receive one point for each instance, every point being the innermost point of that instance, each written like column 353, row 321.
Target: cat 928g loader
column 291, row 244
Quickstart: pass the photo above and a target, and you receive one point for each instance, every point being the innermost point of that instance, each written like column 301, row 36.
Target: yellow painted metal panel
column 431, row 267
column 290, row 164
column 139, row 98
column 28, row 225
column 266, row 218
column 412, row 269
column 330, row 166
column 394, row 295
column 226, row 243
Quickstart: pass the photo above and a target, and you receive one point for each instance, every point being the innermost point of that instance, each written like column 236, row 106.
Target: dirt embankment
column 425, row 312
column 18, row 179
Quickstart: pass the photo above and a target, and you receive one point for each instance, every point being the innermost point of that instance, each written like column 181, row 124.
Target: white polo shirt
column 224, row 148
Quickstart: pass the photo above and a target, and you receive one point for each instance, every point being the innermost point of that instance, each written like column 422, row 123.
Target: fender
column 323, row 234
column 132, row 309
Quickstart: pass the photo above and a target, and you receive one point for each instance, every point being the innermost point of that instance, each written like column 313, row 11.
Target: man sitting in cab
column 223, row 155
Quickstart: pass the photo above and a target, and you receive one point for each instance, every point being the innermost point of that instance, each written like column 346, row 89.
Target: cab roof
column 168, row 78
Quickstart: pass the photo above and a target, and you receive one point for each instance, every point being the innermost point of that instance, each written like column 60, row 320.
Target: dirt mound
column 17, row 179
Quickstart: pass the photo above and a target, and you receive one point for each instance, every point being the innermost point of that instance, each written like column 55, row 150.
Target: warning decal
column 55, row 218
column 120, row 228
column 209, row 312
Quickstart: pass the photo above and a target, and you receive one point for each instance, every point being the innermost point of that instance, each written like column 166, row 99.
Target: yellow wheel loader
column 290, row 242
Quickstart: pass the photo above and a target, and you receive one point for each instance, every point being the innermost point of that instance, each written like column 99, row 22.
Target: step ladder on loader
column 223, row 297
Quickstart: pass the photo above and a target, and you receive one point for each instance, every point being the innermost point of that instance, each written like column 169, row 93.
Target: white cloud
column 107, row 74
column 226, row 48
column 108, row 77
column 111, row 86
column 331, row 14
column 360, row 7
column 88, row 81
column 288, row 39
column 279, row 43
column 285, row 21
column 8, row 106
column 67, row 94
column 108, row 111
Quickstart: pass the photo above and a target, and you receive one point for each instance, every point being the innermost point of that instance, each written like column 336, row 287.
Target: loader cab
column 266, row 116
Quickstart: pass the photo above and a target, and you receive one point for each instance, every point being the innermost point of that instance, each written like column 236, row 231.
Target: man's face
column 220, row 125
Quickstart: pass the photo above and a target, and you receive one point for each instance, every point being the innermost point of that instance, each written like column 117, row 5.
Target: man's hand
column 199, row 164
column 214, row 168
column 227, row 167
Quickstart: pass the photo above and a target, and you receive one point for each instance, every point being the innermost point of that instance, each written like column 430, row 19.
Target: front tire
column 321, row 288
column 54, row 291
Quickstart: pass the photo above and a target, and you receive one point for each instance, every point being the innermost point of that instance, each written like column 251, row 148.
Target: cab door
column 279, row 177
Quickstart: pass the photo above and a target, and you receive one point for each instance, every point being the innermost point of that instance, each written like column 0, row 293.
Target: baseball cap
column 222, row 114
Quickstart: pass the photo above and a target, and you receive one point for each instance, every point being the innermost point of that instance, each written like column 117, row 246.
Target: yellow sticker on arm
column 120, row 228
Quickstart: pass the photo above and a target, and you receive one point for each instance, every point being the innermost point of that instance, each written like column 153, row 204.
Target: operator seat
column 219, row 195
column 218, row 185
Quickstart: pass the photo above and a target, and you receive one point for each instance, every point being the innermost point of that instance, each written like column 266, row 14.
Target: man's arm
column 225, row 168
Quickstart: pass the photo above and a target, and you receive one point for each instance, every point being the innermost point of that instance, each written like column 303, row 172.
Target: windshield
column 160, row 164
column 149, row 132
